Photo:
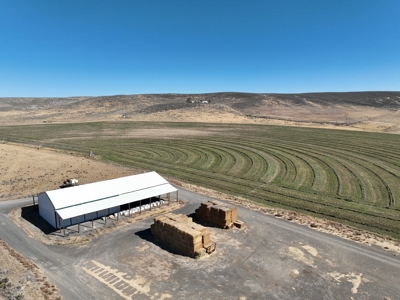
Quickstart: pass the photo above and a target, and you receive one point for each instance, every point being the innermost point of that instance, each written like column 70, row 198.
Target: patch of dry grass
column 19, row 277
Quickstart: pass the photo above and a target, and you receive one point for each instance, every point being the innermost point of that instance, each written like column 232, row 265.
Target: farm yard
column 184, row 151
column 349, row 177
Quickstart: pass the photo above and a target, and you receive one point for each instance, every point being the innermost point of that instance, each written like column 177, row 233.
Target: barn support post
column 105, row 218
column 177, row 196
column 169, row 198
column 55, row 218
column 63, row 226
column 91, row 214
column 129, row 208
column 150, row 203
column 33, row 198
column 79, row 225
column 59, row 222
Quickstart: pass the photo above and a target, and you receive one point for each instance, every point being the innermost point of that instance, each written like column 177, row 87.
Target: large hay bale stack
column 217, row 214
column 179, row 233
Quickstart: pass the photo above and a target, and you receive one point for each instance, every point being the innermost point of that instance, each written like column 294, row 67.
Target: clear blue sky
column 94, row 47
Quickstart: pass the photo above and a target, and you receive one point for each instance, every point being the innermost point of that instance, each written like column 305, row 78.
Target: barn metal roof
column 84, row 199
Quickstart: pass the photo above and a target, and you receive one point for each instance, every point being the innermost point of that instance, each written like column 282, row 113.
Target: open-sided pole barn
column 69, row 206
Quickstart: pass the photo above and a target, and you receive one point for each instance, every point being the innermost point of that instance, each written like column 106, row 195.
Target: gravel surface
column 271, row 258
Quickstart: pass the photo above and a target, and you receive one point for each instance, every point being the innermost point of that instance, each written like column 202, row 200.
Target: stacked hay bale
column 179, row 233
column 218, row 214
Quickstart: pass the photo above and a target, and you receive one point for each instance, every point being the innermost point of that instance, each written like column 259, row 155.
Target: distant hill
column 354, row 109
column 239, row 101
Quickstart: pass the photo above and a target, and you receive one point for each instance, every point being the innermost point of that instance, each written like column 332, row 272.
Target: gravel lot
column 270, row 259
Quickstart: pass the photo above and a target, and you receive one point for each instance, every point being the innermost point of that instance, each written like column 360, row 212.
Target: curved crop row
column 347, row 176
column 333, row 172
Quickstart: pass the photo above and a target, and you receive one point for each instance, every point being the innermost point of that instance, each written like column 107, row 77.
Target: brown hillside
column 372, row 111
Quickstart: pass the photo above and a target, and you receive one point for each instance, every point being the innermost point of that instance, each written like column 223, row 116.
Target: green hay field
column 346, row 176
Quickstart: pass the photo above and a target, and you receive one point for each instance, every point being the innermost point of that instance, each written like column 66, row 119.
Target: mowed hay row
column 218, row 214
column 349, row 173
column 179, row 233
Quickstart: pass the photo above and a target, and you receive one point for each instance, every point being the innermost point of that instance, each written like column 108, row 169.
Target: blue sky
column 94, row 47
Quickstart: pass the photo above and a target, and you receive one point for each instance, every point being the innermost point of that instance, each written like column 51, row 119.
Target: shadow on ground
column 31, row 214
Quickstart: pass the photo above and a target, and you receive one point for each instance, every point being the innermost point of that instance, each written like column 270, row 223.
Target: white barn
column 69, row 206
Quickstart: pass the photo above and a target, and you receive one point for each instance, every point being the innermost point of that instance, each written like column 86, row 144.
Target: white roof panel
column 89, row 207
column 75, row 201
column 103, row 189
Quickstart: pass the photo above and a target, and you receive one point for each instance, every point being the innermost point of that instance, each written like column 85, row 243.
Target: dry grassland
column 346, row 117
column 22, row 279
column 26, row 171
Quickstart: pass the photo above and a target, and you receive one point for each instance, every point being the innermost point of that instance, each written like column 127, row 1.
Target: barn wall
column 46, row 209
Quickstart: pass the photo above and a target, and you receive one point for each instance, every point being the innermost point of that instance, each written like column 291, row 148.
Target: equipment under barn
column 182, row 235
column 218, row 214
column 72, row 205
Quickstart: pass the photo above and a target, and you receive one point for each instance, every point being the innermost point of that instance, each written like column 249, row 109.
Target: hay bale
column 206, row 238
column 239, row 224
column 181, row 234
column 234, row 214
column 217, row 214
